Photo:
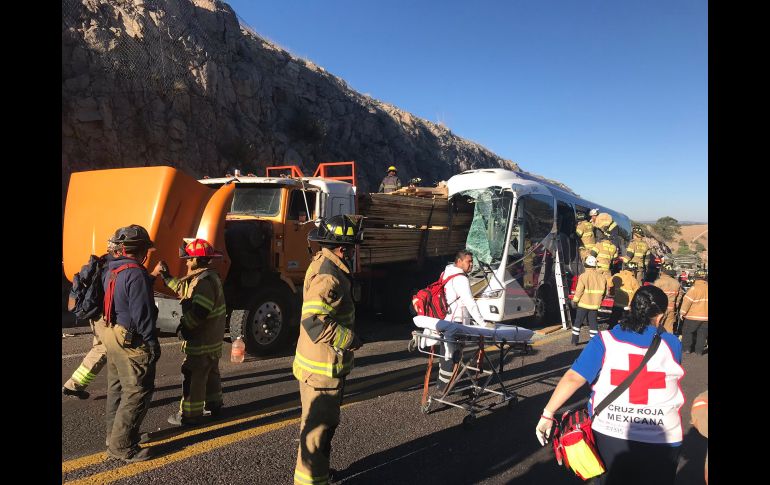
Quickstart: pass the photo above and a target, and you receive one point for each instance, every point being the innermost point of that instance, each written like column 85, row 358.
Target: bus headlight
column 492, row 294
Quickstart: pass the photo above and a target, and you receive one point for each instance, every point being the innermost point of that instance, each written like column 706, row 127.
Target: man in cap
column 202, row 328
column 390, row 182
column 131, row 342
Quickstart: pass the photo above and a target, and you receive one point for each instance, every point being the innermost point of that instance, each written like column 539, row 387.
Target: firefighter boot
column 73, row 392
column 178, row 420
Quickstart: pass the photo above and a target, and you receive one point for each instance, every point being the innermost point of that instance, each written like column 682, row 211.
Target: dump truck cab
column 266, row 229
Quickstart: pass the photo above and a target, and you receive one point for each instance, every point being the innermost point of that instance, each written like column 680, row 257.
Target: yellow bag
column 573, row 443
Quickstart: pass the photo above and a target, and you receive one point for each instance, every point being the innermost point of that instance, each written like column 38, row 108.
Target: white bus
column 519, row 221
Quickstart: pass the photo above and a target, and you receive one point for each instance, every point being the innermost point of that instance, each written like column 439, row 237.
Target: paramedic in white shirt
column 458, row 291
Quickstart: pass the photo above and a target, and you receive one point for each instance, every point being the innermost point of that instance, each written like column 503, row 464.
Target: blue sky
column 608, row 97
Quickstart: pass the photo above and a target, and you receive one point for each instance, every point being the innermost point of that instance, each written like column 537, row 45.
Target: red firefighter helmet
column 197, row 248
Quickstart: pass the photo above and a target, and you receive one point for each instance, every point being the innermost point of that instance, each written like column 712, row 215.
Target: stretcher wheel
column 469, row 420
column 412, row 345
column 425, row 408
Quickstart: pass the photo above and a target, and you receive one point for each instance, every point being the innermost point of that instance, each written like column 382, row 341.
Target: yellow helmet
column 392, row 169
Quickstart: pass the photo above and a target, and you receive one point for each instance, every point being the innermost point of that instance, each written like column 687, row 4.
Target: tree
column 684, row 250
column 699, row 247
column 667, row 227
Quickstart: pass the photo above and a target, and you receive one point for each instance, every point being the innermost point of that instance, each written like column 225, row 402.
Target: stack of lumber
column 399, row 225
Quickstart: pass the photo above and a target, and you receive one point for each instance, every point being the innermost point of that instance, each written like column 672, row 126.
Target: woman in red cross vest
column 639, row 434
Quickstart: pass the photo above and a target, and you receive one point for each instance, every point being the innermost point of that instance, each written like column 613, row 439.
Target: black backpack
column 86, row 299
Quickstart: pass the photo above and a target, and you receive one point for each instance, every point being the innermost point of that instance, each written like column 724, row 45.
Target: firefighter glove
column 544, row 426
column 153, row 347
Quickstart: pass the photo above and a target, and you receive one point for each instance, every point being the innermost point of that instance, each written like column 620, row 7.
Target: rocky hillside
column 183, row 83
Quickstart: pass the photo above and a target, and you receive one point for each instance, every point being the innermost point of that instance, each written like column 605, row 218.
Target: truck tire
column 267, row 322
column 546, row 305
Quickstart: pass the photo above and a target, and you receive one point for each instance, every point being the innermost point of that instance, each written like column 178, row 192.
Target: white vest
column 648, row 411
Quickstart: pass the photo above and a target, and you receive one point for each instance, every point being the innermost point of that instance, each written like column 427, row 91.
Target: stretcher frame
column 479, row 381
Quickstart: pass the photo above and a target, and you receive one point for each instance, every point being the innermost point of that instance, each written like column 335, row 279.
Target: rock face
column 182, row 83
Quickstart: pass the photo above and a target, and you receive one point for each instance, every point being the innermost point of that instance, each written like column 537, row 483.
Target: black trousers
column 616, row 315
column 580, row 316
column 697, row 329
column 632, row 462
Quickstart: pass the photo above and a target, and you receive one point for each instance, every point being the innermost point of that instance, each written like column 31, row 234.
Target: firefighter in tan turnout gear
column 673, row 291
column 202, row 328
column 695, row 314
column 622, row 287
column 638, row 252
column 585, row 231
column 604, row 252
column 326, row 342
column 589, row 293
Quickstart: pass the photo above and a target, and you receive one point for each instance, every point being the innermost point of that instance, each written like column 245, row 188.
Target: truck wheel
column 267, row 324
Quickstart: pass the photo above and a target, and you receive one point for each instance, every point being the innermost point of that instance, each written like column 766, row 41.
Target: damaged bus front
column 518, row 223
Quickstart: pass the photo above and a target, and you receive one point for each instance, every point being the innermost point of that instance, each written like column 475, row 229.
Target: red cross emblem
column 640, row 387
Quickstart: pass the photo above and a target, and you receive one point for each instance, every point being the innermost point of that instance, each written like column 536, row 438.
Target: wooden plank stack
column 398, row 225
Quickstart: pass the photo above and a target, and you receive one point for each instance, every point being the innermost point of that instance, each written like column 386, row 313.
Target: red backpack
column 431, row 300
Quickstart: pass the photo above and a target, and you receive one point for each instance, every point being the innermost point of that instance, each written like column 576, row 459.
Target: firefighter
column 327, row 339
column 132, row 345
column 638, row 252
column 589, row 293
column 585, row 231
column 390, row 182
column 202, row 328
column 673, row 291
column 695, row 315
column 96, row 357
column 622, row 287
column 604, row 252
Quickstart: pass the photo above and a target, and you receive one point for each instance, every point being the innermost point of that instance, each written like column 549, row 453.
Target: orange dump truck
column 261, row 225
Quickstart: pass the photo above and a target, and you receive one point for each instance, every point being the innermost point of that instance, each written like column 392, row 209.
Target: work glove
column 153, row 347
column 544, row 427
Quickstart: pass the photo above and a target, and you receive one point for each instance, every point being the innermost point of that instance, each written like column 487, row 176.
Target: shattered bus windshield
column 256, row 201
column 486, row 237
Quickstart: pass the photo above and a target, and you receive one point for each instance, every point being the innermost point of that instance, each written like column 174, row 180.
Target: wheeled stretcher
column 466, row 346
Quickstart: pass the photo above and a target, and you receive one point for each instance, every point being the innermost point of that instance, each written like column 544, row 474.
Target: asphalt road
column 383, row 438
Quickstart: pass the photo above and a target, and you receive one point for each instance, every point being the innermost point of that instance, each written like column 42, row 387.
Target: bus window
column 533, row 222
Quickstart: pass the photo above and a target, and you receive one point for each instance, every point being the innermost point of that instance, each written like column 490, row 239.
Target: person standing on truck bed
column 589, row 293
column 390, row 182
column 202, row 327
column 327, row 339
column 638, row 252
column 130, row 338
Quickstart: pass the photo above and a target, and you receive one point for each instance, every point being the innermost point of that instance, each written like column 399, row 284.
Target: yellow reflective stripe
column 221, row 310
column 323, row 368
column 314, row 304
column 201, row 349
column 342, row 338
column 83, row 375
column 698, row 300
column 306, row 479
column 192, row 406
column 595, row 292
column 203, row 301
column 588, row 307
